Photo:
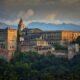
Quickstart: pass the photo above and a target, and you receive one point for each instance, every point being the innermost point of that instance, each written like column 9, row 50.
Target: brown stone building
column 7, row 41
column 28, row 38
column 52, row 37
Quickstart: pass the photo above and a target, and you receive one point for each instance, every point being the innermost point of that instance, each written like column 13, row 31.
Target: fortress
column 24, row 39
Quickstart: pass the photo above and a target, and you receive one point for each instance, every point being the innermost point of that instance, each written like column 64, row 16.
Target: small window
column 12, row 46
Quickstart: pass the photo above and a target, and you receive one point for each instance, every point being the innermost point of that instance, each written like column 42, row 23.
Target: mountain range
column 49, row 26
column 46, row 26
column 4, row 25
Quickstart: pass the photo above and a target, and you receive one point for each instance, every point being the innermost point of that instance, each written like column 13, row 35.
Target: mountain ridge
column 46, row 26
column 4, row 25
column 49, row 26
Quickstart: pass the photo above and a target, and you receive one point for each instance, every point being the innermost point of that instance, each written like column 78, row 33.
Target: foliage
column 60, row 47
column 32, row 66
column 77, row 40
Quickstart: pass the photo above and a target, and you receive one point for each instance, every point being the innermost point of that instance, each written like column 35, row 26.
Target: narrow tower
column 21, row 26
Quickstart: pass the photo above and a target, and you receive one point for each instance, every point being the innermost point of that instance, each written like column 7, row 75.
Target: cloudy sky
column 49, row 11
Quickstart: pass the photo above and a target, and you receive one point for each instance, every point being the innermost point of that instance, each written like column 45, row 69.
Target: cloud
column 53, row 11
column 51, row 16
column 9, row 21
column 30, row 12
column 70, row 1
column 23, row 2
column 54, row 22
column 70, row 5
column 71, row 22
column 25, row 14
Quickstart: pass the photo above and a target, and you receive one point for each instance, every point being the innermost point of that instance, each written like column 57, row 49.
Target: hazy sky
column 51, row 11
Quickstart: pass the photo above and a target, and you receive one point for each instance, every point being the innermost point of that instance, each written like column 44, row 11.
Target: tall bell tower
column 21, row 26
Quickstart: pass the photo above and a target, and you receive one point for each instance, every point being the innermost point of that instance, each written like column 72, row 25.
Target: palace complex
column 24, row 39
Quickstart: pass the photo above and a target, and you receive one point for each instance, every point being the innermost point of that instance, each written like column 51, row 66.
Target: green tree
column 78, row 40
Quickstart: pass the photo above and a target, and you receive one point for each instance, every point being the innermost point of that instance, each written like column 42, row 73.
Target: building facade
column 8, row 42
column 60, row 37
column 24, row 39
